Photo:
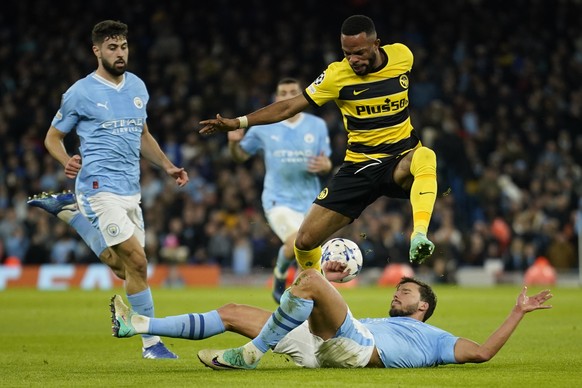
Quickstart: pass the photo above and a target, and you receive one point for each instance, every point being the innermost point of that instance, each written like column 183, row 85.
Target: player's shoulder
column 129, row 76
column 133, row 79
column 338, row 66
column 81, row 86
column 399, row 50
column 336, row 74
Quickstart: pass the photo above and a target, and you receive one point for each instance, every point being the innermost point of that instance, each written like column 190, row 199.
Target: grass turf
column 63, row 338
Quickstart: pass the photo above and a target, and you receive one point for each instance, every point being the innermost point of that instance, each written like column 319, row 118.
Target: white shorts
column 284, row 221
column 118, row 217
column 352, row 346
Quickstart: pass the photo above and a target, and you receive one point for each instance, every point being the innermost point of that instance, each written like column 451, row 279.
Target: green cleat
column 228, row 359
column 121, row 318
column 421, row 248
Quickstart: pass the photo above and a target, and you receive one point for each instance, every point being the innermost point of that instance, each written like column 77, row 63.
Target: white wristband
column 244, row 122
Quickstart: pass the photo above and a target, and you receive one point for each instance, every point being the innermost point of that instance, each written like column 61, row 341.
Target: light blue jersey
column 408, row 343
column 286, row 148
column 109, row 120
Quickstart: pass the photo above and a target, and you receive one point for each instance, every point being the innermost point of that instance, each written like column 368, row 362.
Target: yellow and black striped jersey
column 374, row 107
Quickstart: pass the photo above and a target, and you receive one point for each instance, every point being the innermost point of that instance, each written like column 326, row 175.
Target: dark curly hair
column 108, row 29
column 356, row 24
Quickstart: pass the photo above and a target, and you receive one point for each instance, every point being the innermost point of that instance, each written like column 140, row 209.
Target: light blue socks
column 189, row 326
column 292, row 312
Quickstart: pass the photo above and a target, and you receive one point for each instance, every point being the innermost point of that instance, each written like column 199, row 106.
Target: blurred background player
column 108, row 110
column 384, row 156
column 296, row 152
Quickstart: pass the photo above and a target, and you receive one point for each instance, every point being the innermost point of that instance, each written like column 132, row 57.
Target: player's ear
column 422, row 306
column 96, row 51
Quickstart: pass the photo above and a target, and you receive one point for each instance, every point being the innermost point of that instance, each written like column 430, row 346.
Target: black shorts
column 357, row 185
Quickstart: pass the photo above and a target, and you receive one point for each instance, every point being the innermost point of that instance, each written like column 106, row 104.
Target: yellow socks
column 424, row 189
column 308, row 259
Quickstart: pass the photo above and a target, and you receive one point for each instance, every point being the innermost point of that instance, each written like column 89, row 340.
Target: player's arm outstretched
column 470, row 351
column 272, row 113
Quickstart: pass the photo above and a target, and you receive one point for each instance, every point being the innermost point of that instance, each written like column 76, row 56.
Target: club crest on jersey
column 138, row 102
column 112, row 230
column 323, row 194
column 404, row 81
column 309, row 138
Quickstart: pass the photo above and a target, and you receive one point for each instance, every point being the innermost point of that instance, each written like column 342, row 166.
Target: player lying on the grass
column 314, row 326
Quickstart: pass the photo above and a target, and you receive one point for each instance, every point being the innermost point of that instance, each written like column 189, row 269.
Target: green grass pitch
column 61, row 339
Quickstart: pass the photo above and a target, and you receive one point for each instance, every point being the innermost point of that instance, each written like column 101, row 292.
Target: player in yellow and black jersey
column 374, row 105
column 384, row 155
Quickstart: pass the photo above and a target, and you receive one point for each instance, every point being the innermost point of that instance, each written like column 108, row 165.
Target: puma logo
column 103, row 105
column 357, row 92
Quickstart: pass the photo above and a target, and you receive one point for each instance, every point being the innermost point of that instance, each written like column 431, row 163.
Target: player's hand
column 236, row 135
column 179, row 174
column 335, row 270
column 73, row 167
column 525, row 303
column 219, row 124
column 319, row 164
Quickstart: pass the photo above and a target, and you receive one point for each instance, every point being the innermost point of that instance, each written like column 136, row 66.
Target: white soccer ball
column 345, row 251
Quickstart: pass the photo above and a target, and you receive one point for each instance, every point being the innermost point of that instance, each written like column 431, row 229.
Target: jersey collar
column 109, row 83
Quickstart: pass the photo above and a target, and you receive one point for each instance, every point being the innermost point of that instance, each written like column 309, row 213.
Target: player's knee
column 108, row 258
column 424, row 155
column 119, row 271
column 307, row 280
column 136, row 263
column 304, row 243
column 423, row 161
column 228, row 314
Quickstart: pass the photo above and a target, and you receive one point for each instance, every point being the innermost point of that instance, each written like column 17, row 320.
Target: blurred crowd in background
column 495, row 91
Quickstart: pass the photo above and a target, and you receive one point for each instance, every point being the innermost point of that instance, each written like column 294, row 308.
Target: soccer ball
column 345, row 251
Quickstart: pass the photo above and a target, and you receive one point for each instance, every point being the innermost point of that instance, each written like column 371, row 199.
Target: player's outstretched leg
column 421, row 248
column 229, row 359
column 63, row 205
column 121, row 318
